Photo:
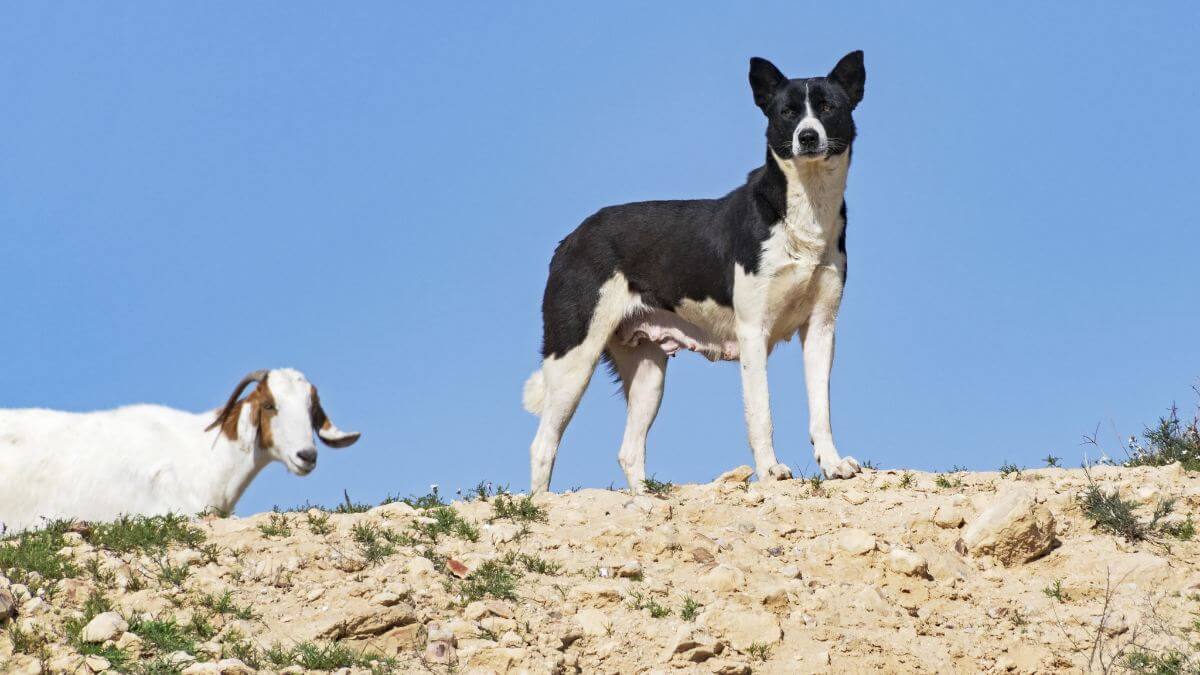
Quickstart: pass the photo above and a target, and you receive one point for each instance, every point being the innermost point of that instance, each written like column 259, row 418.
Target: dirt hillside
column 891, row 571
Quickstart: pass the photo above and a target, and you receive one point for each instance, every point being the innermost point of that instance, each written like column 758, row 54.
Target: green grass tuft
column 520, row 509
column 145, row 534
column 277, row 525
column 34, row 560
column 658, row 488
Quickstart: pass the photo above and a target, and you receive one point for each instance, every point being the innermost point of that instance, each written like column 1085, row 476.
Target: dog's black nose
column 308, row 456
column 808, row 139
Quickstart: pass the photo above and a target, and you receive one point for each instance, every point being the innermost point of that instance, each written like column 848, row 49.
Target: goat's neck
column 228, row 468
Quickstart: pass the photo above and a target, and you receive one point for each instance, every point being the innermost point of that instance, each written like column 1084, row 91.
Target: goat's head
column 280, row 415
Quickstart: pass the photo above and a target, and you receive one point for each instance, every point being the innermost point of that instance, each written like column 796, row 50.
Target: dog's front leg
column 818, row 339
column 752, row 344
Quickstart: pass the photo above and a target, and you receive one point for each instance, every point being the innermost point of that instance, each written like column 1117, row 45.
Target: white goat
column 150, row 460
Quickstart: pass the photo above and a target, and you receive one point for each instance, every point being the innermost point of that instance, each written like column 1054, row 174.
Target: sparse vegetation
column 428, row 501
column 494, row 578
column 906, row 479
column 690, row 609
column 1009, row 469
column 1052, row 461
column 34, row 558
column 1171, row 440
column 520, row 509
column 171, row 574
column 639, row 601
column 446, row 521
column 277, row 525
column 350, row 506
column 658, row 488
column 225, row 605
column 318, row 523
column 1111, row 513
column 759, row 651
column 1055, row 591
column 870, row 465
column 945, row 482
column 145, row 534
column 375, row 543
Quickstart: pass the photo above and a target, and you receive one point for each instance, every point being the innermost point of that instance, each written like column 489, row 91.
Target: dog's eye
column 787, row 113
column 826, row 108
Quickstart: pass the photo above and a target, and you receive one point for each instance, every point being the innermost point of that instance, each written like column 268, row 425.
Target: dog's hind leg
column 642, row 370
column 565, row 378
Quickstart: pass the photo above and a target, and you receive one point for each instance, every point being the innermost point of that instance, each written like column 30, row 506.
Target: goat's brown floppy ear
column 258, row 376
column 326, row 430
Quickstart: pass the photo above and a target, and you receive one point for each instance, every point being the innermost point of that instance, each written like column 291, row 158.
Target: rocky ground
column 890, row 571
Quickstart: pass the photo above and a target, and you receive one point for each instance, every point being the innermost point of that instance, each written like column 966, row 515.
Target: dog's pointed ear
column 851, row 74
column 765, row 80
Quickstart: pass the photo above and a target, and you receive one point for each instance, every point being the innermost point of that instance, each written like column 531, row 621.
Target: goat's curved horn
column 258, row 376
column 326, row 430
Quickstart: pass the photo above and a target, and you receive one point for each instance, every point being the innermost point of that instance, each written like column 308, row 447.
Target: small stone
column 746, row 527
column 948, row 517
column 386, row 598
column 98, row 664
column 511, row 639
column 630, row 570
column 105, row 626
column 904, row 561
column 502, row 533
column 8, row 605
column 746, row 628
column 457, row 568
column 739, row 475
column 790, row 572
column 703, row 556
column 855, row 541
column 593, row 622
column 723, row 579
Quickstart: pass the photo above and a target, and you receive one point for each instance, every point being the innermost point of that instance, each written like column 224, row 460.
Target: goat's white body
column 139, row 459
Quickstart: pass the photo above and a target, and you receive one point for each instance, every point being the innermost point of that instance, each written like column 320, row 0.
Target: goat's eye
column 826, row 108
column 787, row 113
column 268, row 406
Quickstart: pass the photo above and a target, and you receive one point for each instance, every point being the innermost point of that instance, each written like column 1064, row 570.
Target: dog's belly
column 703, row 331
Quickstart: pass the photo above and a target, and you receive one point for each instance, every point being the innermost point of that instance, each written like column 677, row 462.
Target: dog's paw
column 847, row 467
column 778, row 472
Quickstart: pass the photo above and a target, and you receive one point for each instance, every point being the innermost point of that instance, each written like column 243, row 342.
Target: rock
column 692, row 645
column 593, row 622
column 511, row 639
column 739, row 475
column 1014, row 529
column 105, row 626
column 703, row 556
column 630, row 570
column 393, row 510
column 743, row 628
column 496, row 659
column 790, row 572
column 502, row 533
column 854, row 497
column 855, row 541
column 948, row 517
column 234, row 667
column 8, row 605
column 904, row 561
column 439, row 651
column 386, row 598
column 723, row 579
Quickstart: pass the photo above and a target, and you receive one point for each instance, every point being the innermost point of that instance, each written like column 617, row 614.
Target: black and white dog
column 729, row 278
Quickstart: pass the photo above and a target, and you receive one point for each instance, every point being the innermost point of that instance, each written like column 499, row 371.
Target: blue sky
column 371, row 193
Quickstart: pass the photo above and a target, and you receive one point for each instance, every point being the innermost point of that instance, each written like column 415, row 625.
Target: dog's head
column 809, row 119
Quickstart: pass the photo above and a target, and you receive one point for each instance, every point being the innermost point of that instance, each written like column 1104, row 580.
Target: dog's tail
column 535, row 393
